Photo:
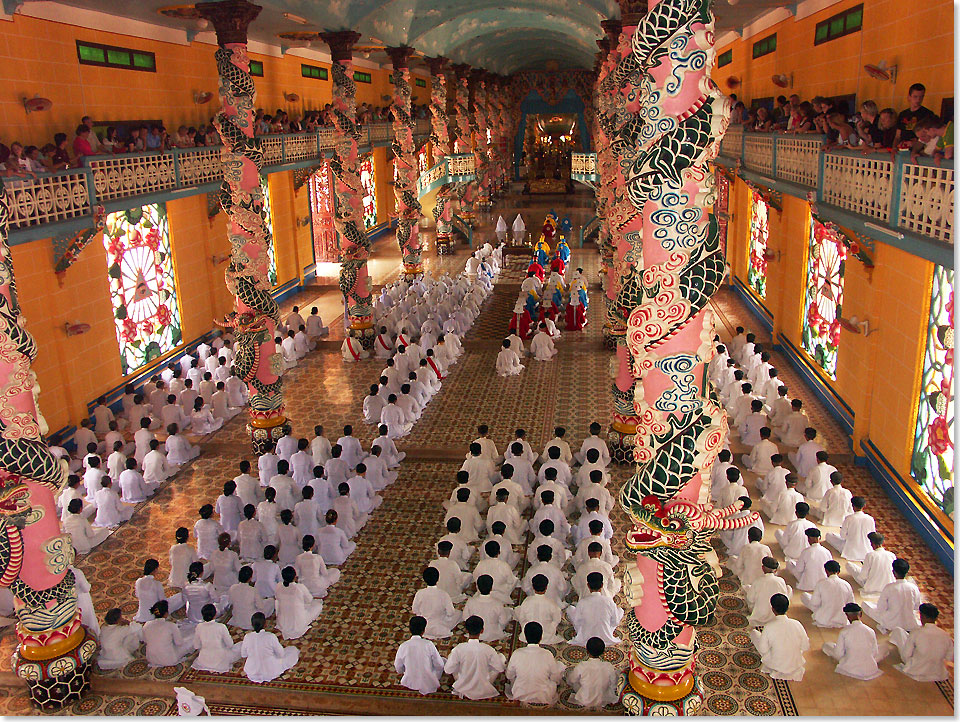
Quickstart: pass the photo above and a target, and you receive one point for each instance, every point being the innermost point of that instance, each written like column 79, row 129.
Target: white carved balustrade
column 272, row 149
column 131, row 174
column 197, row 166
column 926, row 199
column 48, row 198
column 758, row 152
column 732, row 143
column 858, row 183
column 798, row 159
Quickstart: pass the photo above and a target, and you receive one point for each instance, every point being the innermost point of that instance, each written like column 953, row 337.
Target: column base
column 55, row 683
column 364, row 332
column 609, row 340
column 444, row 244
column 265, row 432
column 637, row 704
column 621, row 439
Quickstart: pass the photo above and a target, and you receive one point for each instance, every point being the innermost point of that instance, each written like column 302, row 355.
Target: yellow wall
column 919, row 42
column 877, row 375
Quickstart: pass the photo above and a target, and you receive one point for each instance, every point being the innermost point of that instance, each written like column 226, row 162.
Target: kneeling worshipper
column 508, row 363
column 418, row 659
column 576, row 312
column 554, row 291
column 266, row 658
column 352, row 350
column 542, row 346
column 856, row 649
column 782, row 643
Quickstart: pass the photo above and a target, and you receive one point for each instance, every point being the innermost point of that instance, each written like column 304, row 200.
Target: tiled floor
column 346, row 659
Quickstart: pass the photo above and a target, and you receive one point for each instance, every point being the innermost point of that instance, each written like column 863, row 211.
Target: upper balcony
column 63, row 201
column 908, row 204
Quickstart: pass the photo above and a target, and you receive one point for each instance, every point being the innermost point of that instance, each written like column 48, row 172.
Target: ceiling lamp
column 296, row 19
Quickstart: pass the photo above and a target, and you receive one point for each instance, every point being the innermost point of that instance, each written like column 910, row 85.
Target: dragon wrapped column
column 442, row 147
column 464, row 133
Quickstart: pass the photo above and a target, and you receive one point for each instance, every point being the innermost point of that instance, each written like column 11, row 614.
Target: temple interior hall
column 448, row 357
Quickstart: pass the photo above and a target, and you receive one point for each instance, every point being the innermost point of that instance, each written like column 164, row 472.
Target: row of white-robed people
column 791, row 499
column 501, row 510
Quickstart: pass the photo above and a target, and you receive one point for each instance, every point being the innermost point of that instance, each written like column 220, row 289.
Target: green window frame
column 360, row 77
column 112, row 56
column 313, row 71
column 765, row 46
column 845, row 23
column 256, row 68
column 725, row 58
column 421, row 82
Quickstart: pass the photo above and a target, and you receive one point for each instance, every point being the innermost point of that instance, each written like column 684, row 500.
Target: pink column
column 405, row 157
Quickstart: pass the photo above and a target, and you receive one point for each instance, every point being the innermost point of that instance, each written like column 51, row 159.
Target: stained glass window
column 325, row 248
column 823, row 298
column 142, row 285
column 368, row 182
column 721, row 209
column 932, row 463
column 271, row 253
column 759, row 233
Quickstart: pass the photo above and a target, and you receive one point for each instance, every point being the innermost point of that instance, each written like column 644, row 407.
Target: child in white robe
column 118, row 641
column 217, row 651
column 266, row 573
column 925, row 650
column 418, row 660
column 312, row 572
column 489, row 608
column 179, row 450
column 898, row 602
column 82, row 534
column 164, row 642
column 111, row 512
column 266, row 658
column 856, row 649
column 594, row 680
column 296, row 607
column 876, row 572
column 829, row 598
column 595, row 615
column 245, row 601
column 225, row 564
column 508, row 363
column 435, row 606
column 533, row 673
column 335, row 547
column 782, row 643
column 761, row 591
column 206, row 529
column 474, row 664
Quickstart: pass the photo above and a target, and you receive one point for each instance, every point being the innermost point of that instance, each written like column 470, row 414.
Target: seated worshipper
column 372, row 406
column 268, row 514
column 490, row 609
column 772, row 484
column 362, row 491
column 116, row 462
column 72, row 491
column 582, row 553
column 245, row 601
column 288, row 349
column 898, row 602
column 541, row 608
column 349, row 517
column 463, row 551
column 852, row 542
column 251, row 534
column 173, row 412
column 206, row 529
column 735, row 539
column 747, row 565
column 394, row 419
column 383, row 344
column 808, row 569
column 924, row 651
column 594, row 490
column 352, row 452
column 594, row 441
column 545, row 535
column 542, row 346
column 733, row 490
column 217, row 651
column 320, row 446
column 762, row 590
column 836, row 504
column 418, row 660
column 335, row 547
column 296, row 607
column 784, row 510
column 595, row 615
column 780, row 409
column 507, row 553
column 793, row 428
column 504, row 511
column 286, row 445
column 815, row 485
column 118, row 641
column 111, row 512
column 336, row 468
column 351, row 350
column 594, row 680
column 520, row 323
column 164, row 644
column 266, row 658
column 504, row 580
column 179, row 450
column 149, row 591
column 302, row 343
column 266, row 573
column 312, row 572
column 829, row 598
column 133, row 488
column 611, row 585
column 377, row 471
column 289, row 539
column 477, row 487
column 315, row 325
column 302, row 464
column 793, row 539
column 465, row 510
column 453, row 580
column 751, row 424
column 805, row 458
column 856, row 649
column 551, row 510
column 225, row 564
column 156, row 467
column 582, row 529
column 533, row 672
column 474, row 664
column 782, row 643
column 758, row 460
column 559, row 586
column 508, row 363
column 82, row 535
column 876, row 572
column 434, row 605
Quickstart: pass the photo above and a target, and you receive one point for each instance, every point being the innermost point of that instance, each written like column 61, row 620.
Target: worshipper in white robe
column 829, row 598
column 541, row 608
column 611, row 585
column 351, row 350
column 206, row 530
column 594, row 680
column 418, row 660
column 302, row 343
column 395, row 419
column 747, row 565
column 735, row 539
column 852, row 542
column 92, row 478
column 808, row 568
column 780, row 409
column 504, row 579
column 856, row 649
column 594, row 490
column 165, row 645
column 133, row 488
column 266, row 573
column 805, row 458
column 268, row 514
column 782, row 643
column 116, row 462
column 290, row 539
column 179, row 450
column 542, row 346
column 554, row 512
column 546, row 535
column 320, row 446
column 373, row 406
column 225, row 564
column 793, row 539
column 474, row 664
column 197, row 593
column 335, row 547
column 898, row 602
column 815, row 485
column 383, row 344
column 761, row 591
column 453, row 579
column 924, row 651
column 751, row 423
column 508, row 363
column 582, row 553
column 85, row 602
column 315, row 325
column 73, row 490
column 245, row 601
column 876, row 571
column 772, row 484
column 435, row 605
column 349, row 517
column 718, row 473
column 595, row 615
column 312, row 571
column 733, row 490
column 156, row 467
column 266, row 658
column 545, row 565
column 202, row 420
column 217, row 652
column 490, row 609
column 594, row 441
column 758, row 460
column 836, row 504
column 149, row 591
column 237, row 392
column 504, row 511
column 118, row 641
column 111, row 512
column 793, row 428
column 533, row 673
column 82, row 534
column 351, row 452
column 784, row 510
column 296, row 607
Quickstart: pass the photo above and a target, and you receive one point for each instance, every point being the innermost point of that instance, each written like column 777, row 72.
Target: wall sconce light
column 75, row 329
column 856, row 325
column 36, row 104
column 291, row 97
column 201, row 98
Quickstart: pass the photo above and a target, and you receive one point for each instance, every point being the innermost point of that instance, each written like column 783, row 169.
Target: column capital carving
column 462, row 70
column 230, row 19
column 631, row 11
column 612, row 28
column 400, row 57
column 341, row 44
column 437, row 65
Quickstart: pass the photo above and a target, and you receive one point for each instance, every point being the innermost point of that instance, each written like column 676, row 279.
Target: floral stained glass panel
column 721, row 209
column 823, row 298
column 143, row 289
column 325, row 247
column 759, row 233
column 422, row 161
column 932, row 463
column 271, row 253
column 368, row 182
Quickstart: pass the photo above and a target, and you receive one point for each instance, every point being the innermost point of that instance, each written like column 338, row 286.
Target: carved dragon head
column 680, row 524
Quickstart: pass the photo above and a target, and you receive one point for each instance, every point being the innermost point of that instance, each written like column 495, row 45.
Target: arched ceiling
column 496, row 35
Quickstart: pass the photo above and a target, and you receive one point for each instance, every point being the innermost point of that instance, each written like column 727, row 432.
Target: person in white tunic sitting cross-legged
column 296, row 607
column 835, row 506
column 246, row 601
column 111, row 512
column 793, row 539
column 312, row 570
column 594, row 441
column 852, row 542
column 856, row 649
column 876, row 572
column 435, row 605
column 542, row 346
column 924, row 651
column 418, row 660
column 533, row 673
column 595, row 615
column 118, row 641
column 217, row 651
column 164, row 642
column 489, row 608
column 594, row 680
column 808, row 568
column 829, row 598
column 759, row 459
column 782, row 643
column 82, row 534
column 266, row 658
column 508, row 363
column 898, row 602
column 474, row 664
column 762, row 590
